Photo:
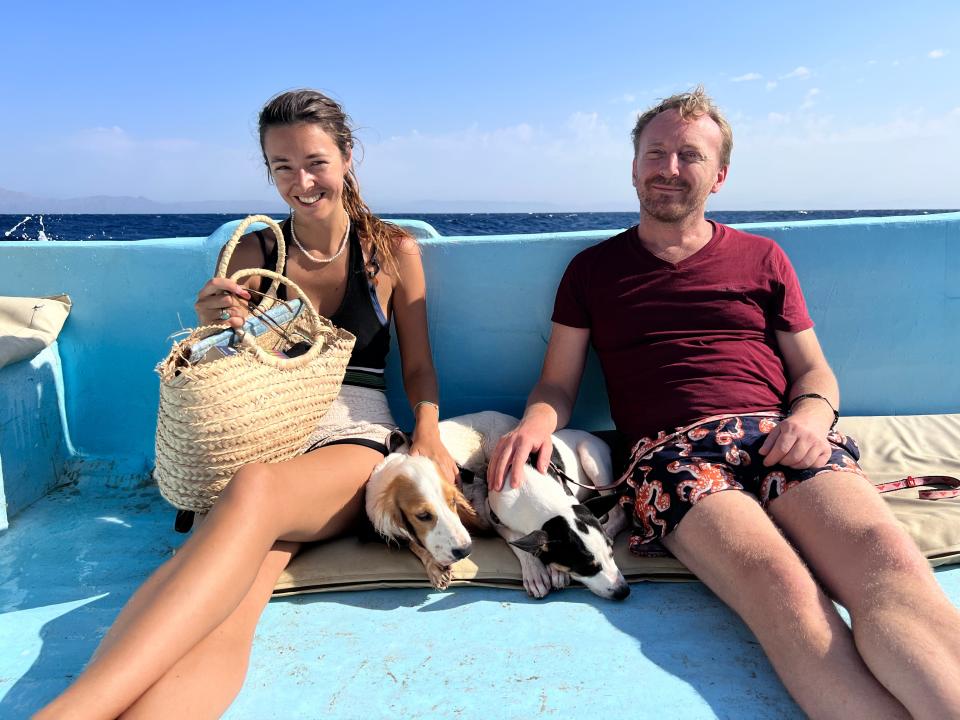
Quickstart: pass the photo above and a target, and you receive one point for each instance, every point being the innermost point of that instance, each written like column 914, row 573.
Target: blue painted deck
column 70, row 562
column 77, row 421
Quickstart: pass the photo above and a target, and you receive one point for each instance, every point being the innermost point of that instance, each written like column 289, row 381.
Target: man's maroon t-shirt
column 681, row 342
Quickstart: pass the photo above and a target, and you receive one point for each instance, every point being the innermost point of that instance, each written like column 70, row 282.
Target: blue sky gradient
column 459, row 104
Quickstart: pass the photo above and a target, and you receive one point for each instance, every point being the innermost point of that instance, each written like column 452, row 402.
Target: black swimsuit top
column 359, row 313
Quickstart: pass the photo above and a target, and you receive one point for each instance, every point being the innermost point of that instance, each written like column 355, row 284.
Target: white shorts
column 358, row 412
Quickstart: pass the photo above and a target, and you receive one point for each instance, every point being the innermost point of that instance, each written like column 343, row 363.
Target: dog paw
column 559, row 579
column 440, row 575
column 616, row 521
column 536, row 587
column 537, row 580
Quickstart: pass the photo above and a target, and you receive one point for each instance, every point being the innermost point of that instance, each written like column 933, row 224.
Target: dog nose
column 621, row 591
column 461, row 552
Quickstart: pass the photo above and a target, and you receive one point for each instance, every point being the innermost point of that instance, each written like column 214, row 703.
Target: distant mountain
column 12, row 202
column 420, row 207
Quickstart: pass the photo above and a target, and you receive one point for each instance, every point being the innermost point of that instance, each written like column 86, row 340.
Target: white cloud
column 771, row 84
column 825, row 163
column 747, row 77
column 625, row 98
column 808, row 99
column 781, row 159
column 798, row 72
column 937, row 54
column 102, row 139
column 581, row 164
column 588, row 127
column 113, row 161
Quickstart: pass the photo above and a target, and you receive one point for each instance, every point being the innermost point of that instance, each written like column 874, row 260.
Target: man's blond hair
column 691, row 105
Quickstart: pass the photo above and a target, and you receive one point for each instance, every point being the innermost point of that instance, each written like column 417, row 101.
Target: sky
column 507, row 105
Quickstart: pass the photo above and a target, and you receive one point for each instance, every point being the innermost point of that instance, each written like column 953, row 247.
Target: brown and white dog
column 408, row 501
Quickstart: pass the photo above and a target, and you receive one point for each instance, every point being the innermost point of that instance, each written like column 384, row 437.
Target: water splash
column 10, row 232
column 42, row 235
column 20, row 230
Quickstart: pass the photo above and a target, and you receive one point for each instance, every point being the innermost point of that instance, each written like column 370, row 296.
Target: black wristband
column 817, row 396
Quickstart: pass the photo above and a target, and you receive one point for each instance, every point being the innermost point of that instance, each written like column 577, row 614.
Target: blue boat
column 85, row 524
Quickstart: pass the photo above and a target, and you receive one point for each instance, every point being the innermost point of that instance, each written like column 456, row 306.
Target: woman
column 181, row 645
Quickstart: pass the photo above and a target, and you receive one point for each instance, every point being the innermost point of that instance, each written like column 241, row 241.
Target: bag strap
column 234, row 240
column 910, row 482
column 320, row 324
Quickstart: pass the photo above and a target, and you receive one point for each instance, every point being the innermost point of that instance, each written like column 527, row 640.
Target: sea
column 52, row 227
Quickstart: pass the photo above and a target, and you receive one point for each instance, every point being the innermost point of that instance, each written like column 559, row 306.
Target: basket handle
column 319, row 322
column 235, row 240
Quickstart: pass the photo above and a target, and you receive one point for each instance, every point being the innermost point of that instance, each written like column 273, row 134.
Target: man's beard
column 667, row 209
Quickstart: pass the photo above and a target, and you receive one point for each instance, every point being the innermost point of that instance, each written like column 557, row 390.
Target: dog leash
column 952, row 483
column 558, row 472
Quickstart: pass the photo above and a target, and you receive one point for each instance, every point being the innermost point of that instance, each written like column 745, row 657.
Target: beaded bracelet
column 817, row 396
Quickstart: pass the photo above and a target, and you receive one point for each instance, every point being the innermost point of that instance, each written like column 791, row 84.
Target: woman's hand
column 428, row 444
column 221, row 295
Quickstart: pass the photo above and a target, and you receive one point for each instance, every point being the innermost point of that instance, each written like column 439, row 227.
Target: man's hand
column 513, row 449
column 799, row 442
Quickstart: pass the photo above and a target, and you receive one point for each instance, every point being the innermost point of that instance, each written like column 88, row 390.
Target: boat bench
column 885, row 294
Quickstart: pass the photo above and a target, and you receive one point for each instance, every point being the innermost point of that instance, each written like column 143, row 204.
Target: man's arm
column 548, row 407
column 800, row 441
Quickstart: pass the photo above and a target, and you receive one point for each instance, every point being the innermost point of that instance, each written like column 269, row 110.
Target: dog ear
column 464, row 509
column 384, row 512
column 601, row 504
column 534, row 543
column 397, row 523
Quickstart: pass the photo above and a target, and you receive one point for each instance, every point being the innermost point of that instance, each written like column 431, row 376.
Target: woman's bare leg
column 207, row 679
column 312, row 497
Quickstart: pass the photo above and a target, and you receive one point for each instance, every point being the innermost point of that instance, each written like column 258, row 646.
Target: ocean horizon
column 54, row 226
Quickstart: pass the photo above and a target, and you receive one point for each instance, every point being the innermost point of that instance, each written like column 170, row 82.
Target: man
column 716, row 376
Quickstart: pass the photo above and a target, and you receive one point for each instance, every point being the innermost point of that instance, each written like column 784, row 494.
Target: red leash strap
column 910, row 482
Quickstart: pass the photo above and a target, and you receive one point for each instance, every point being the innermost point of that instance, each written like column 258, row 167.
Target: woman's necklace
column 311, row 258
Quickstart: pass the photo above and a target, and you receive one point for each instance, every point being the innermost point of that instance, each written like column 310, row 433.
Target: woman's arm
column 419, row 376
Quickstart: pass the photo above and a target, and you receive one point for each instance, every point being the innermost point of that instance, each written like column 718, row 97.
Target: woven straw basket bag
column 252, row 406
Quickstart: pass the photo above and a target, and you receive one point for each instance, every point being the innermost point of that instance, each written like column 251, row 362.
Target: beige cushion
column 893, row 447
column 896, row 446
column 349, row 564
column 29, row 324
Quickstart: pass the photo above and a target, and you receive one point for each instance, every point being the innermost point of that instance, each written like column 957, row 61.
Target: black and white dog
column 552, row 525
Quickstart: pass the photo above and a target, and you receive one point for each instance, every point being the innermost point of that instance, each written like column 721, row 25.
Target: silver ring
column 224, row 314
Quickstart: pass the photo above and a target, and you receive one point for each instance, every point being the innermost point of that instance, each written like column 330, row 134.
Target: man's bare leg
column 904, row 626
column 730, row 543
